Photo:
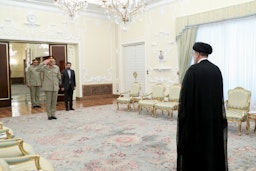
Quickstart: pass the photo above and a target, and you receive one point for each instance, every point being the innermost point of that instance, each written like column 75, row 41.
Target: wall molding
column 97, row 78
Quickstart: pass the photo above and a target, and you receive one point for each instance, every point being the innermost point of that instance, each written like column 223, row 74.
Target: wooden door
column 59, row 52
column 5, row 89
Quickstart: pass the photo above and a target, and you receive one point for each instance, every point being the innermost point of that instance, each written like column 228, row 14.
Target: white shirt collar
column 202, row 59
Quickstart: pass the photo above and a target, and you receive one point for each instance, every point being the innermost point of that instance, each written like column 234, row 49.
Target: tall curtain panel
column 234, row 51
column 185, row 43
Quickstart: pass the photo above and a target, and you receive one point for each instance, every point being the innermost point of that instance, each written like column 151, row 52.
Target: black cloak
column 202, row 123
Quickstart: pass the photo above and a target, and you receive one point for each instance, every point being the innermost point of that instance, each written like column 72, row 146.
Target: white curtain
column 234, row 52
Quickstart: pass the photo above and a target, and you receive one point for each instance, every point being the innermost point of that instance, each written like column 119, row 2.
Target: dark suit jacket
column 65, row 80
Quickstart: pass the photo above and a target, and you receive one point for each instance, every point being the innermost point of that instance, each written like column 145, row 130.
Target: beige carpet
column 100, row 138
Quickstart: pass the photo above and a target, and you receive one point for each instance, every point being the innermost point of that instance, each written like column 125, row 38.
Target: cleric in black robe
column 202, row 123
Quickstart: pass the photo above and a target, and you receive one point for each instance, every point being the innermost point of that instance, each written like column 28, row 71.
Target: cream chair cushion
column 9, row 148
column 25, row 163
column 236, row 115
column 4, row 166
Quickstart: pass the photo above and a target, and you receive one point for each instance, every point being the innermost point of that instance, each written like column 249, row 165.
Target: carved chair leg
column 171, row 114
column 255, row 125
column 139, row 108
column 155, row 114
column 117, row 106
column 239, row 128
column 247, row 126
column 133, row 106
column 152, row 111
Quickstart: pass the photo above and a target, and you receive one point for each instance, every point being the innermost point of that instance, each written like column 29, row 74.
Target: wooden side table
column 251, row 115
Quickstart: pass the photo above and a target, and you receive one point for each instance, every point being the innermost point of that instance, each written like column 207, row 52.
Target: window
column 234, row 52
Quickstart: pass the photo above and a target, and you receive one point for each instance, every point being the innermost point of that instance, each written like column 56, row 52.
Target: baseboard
column 97, row 97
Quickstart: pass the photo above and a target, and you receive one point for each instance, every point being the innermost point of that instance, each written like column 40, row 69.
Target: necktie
column 69, row 74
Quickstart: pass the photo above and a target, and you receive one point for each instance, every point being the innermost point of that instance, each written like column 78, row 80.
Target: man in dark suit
column 202, row 124
column 68, row 85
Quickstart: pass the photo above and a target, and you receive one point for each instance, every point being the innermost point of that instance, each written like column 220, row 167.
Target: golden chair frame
column 148, row 101
column 9, row 132
column 29, row 162
column 172, row 103
column 238, row 106
column 132, row 96
column 14, row 147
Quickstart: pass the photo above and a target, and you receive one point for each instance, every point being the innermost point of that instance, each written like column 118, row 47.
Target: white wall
column 157, row 29
column 89, row 39
column 95, row 44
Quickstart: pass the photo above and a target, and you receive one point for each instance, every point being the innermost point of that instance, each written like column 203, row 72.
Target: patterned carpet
column 100, row 138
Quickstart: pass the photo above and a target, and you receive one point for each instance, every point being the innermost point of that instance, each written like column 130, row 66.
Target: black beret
column 202, row 47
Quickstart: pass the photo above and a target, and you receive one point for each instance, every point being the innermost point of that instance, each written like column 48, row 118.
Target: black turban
column 202, row 47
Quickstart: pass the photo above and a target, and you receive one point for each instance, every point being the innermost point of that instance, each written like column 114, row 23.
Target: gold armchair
column 238, row 106
column 172, row 103
column 25, row 163
column 5, row 134
column 129, row 97
column 9, row 132
column 14, row 148
column 148, row 101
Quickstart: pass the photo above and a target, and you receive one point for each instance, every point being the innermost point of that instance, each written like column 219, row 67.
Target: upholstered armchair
column 238, row 106
column 130, row 97
column 5, row 134
column 25, row 163
column 14, row 148
column 9, row 132
column 148, row 101
column 172, row 103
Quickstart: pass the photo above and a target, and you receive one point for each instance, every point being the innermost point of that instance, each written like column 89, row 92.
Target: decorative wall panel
column 97, row 91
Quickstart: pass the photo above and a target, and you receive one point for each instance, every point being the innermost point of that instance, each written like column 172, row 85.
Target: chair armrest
column 17, row 142
column 145, row 96
column 123, row 93
column 9, row 140
column 6, row 132
column 2, row 130
column 23, row 159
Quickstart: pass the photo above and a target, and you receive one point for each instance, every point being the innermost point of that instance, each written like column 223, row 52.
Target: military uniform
column 50, row 84
column 34, row 83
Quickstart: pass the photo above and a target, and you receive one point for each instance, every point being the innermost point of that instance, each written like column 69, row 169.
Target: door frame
column 9, row 98
column 5, row 101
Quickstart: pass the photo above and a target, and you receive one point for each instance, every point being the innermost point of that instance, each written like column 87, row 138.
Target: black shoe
column 33, row 106
column 67, row 109
column 49, row 118
column 72, row 108
column 38, row 106
column 53, row 117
